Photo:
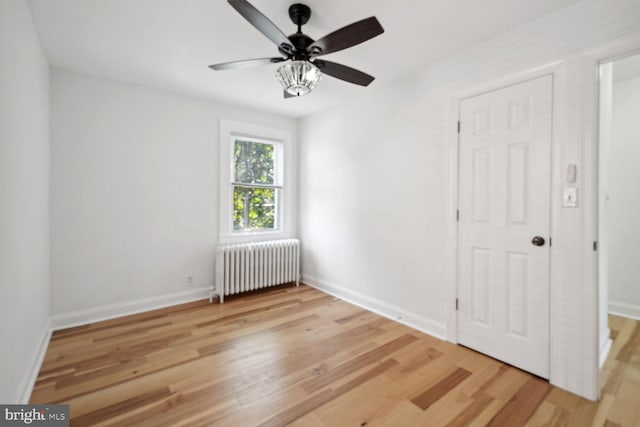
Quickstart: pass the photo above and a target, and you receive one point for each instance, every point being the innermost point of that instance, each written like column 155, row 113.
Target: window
column 256, row 184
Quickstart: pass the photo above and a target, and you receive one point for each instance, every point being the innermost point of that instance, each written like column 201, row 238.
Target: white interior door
column 504, row 203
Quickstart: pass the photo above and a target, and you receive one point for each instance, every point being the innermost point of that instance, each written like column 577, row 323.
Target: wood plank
column 325, row 396
column 377, row 354
column 521, row 406
column 480, row 401
column 352, row 410
column 437, row 391
column 125, row 406
column 631, row 347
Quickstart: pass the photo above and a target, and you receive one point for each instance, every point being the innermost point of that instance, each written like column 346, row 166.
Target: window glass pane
column 253, row 162
column 254, row 208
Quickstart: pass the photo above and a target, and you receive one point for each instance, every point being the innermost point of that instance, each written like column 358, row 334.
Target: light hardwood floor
column 298, row 356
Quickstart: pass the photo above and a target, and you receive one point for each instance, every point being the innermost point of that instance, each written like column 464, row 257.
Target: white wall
column 373, row 200
column 134, row 184
column 624, row 199
column 375, row 174
column 24, row 199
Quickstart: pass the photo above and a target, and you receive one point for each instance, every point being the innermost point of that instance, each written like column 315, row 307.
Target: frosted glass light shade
column 298, row 77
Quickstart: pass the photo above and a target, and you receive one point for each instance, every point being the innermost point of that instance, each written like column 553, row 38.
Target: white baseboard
column 624, row 309
column 415, row 321
column 604, row 351
column 30, row 376
column 111, row 311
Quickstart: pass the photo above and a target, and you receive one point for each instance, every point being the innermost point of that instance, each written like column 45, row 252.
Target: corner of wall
column 30, row 376
column 382, row 308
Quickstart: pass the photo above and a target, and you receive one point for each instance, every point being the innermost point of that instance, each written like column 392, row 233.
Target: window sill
column 252, row 236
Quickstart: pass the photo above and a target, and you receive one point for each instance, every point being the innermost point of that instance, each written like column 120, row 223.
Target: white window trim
column 286, row 201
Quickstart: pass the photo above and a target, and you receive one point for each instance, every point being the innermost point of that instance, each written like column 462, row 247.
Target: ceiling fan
column 299, row 52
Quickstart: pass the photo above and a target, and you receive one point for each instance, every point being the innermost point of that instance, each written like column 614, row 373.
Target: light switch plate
column 570, row 198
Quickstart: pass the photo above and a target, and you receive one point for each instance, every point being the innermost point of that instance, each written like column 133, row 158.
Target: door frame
column 595, row 58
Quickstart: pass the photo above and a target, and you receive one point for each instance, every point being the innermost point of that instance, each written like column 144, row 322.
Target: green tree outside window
column 255, row 191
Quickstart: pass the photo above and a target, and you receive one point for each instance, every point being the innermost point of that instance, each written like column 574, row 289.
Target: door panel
column 504, row 201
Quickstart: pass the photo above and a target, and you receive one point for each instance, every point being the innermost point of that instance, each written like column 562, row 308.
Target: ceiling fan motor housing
column 299, row 14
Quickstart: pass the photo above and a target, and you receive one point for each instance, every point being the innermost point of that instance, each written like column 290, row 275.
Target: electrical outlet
column 189, row 281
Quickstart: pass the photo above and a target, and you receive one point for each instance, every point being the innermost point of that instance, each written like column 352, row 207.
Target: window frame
column 277, row 185
column 230, row 131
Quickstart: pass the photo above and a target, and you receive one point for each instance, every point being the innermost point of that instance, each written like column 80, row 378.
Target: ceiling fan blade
column 261, row 22
column 348, row 36
column 343, row 72
column 245, row 64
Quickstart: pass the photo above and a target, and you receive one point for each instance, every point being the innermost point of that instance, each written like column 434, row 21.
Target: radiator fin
column 249, row 266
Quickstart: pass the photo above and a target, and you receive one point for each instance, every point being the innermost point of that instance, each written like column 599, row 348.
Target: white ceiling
column 168, row 44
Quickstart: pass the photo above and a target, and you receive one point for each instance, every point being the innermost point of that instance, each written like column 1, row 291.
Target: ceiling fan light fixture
column 298, row 77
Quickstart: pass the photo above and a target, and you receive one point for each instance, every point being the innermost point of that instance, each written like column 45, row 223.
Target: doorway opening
column 618, row 195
